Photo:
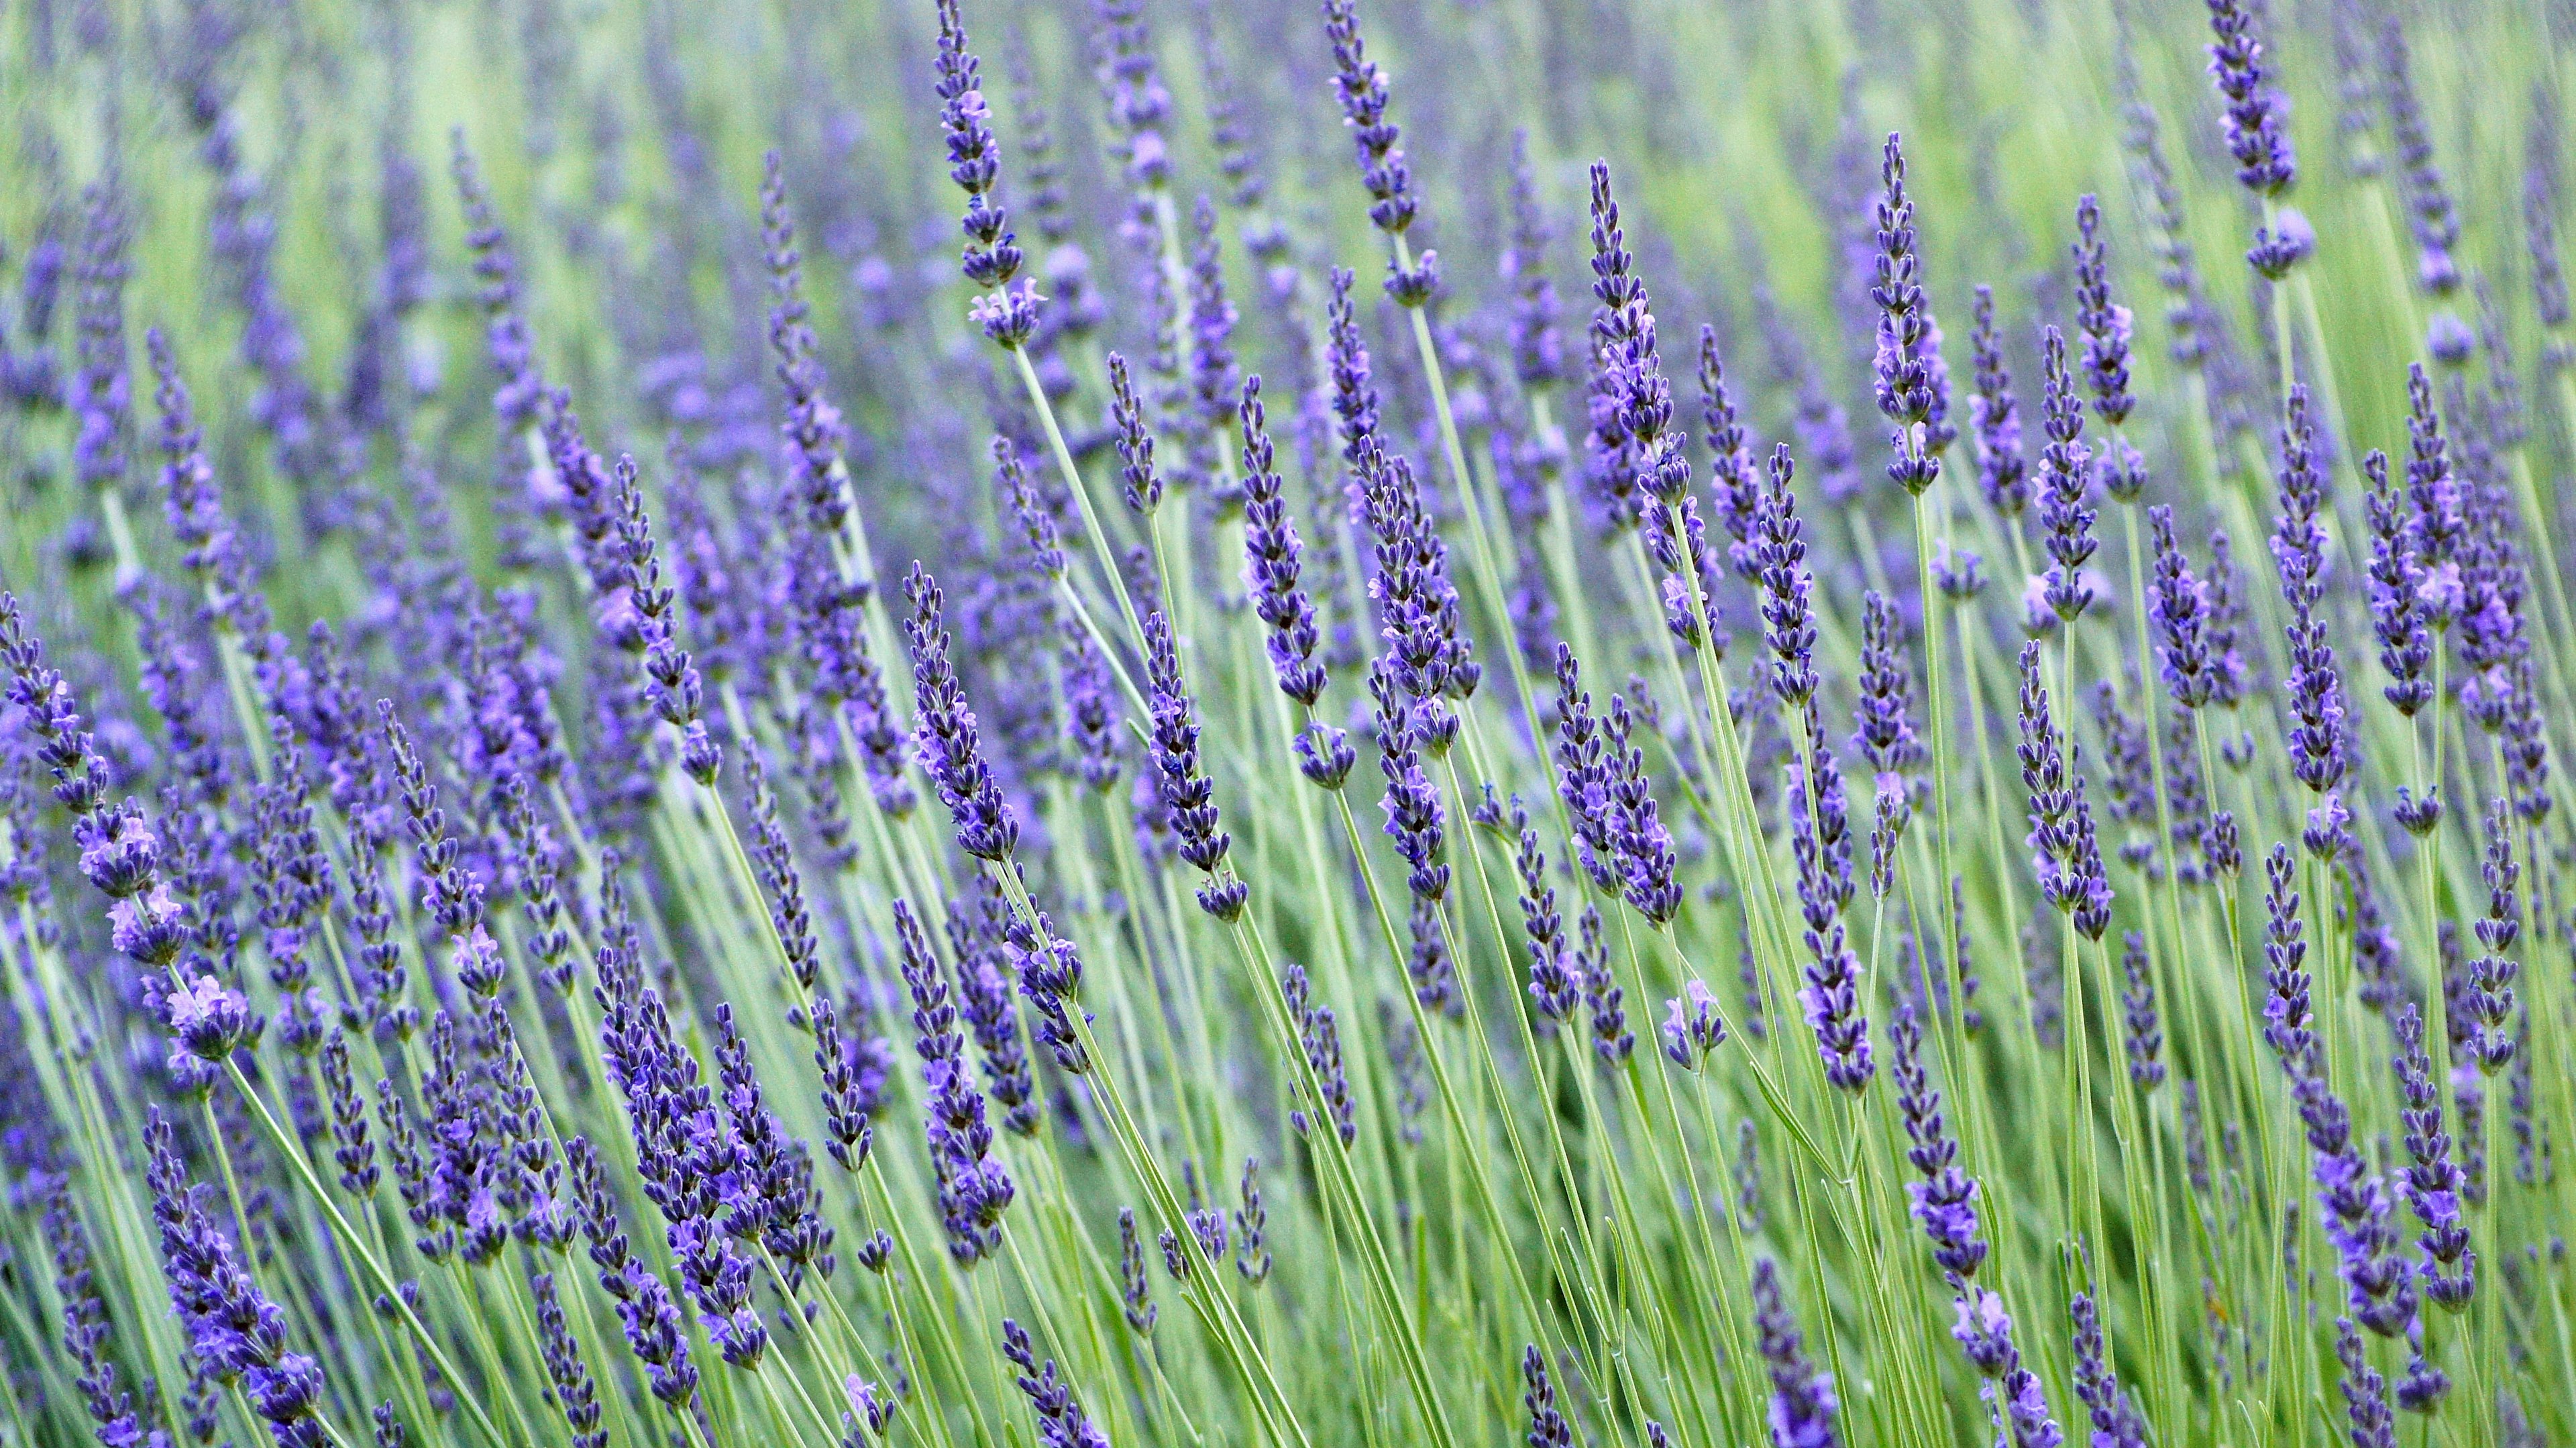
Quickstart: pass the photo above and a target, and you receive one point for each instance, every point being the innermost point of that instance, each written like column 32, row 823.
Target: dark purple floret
column 1271, row 560
column 1173, row 748
column 2397, row 613
column 2365, row 1392
column 1320, row 1035
column 2178, row 604
column 973, row 1186
column 2434, row 1184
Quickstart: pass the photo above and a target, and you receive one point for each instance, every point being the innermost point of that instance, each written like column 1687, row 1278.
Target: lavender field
column 1391, row 724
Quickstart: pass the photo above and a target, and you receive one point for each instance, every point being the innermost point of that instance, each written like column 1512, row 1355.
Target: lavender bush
column 986, row 723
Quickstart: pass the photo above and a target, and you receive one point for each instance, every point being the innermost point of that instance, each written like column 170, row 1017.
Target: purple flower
column 1802, row 1395
column 1414, row 819
column 2488, row 1001
column 1271, row 553
column 1548, row 1428
column 1538, row 354
column 1429, row 652
column 1173, row 748
column 1320, row 1035
column 1789, row 625
column 991, row 257
column 2066, row 855
column 2397, row 614
column 1061, row 1422
column 2138, row 1015
column 2065, row 475
column 1912, row 385
column 2285, row 951
column 974, row 1188
column 2432, row 1181
column 1945, row 1199
column 2105, row 326
column 1361, row 88
column 2257, row 117
column 1996, row 427
column 1629, row 403
column 2117, row 1423
column 2178, row 605
column 944, row 736
column 1691, row 1035
column 2365, row 1392
column 2011, row 1391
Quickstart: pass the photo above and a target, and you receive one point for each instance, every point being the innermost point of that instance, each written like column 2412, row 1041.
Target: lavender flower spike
column 944, row 733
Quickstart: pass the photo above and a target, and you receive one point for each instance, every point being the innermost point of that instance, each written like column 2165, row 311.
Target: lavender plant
column 686, row 795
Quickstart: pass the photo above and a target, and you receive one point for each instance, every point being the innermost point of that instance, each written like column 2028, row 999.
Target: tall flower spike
column 2257, row 118
column 1538, row 353
column 1008, row 312
column 1271, row 559
column 1186, row 791
column 1945, row 1199
column 1996, row 425
column 1361, row 87
column 2178, row 604
column 1802, row 1395
column 944, row 734
column 1912, row 384
column 2065, row 478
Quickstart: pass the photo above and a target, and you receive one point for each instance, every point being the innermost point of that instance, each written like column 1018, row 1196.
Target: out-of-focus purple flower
column 1538, row 353
column 1802, row 1395
column 2427, row 193
column 2144, row 1037
column 1992, row 417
